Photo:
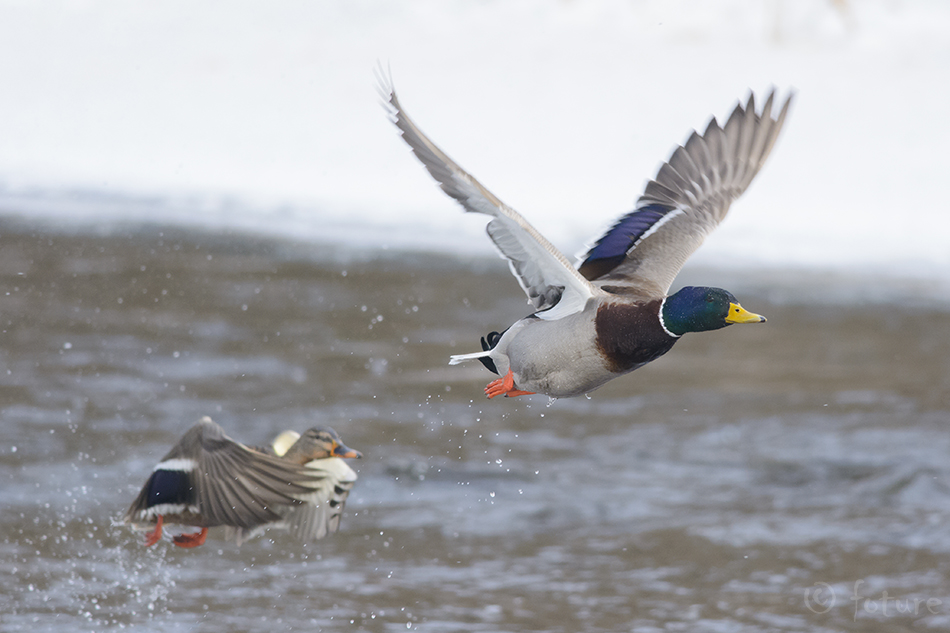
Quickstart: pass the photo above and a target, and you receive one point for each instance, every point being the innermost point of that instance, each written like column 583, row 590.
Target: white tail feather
column 461, row 358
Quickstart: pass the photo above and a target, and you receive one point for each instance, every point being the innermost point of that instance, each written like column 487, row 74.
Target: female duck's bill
column 207, row 480
column 610, row 314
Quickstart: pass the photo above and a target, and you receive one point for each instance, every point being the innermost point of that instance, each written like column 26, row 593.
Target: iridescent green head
column 698, row 309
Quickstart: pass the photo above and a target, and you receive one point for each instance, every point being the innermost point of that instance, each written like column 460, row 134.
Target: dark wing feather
column 337, row 503
column 187, row 448
column 237, row 486
column 611, row 249
column 319, row 513
column 645, row 249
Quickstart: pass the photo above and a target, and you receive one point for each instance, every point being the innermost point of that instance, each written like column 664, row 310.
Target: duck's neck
column 298, row 454
column 663, row 322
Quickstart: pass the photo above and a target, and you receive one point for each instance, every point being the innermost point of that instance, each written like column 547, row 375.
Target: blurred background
column 205, row 211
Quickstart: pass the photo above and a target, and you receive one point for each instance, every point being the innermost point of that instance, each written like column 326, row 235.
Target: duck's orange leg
column 191, row 540
column 505, row 386
column 153, row 537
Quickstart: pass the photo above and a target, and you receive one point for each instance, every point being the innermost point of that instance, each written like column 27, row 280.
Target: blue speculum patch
column 170, row 486
column 628, row 229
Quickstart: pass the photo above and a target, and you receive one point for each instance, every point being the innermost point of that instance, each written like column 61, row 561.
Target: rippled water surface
column 762, row 478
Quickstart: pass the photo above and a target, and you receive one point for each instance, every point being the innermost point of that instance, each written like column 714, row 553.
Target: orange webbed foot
column 505, row 386
column 153, row 537
column 191, row 540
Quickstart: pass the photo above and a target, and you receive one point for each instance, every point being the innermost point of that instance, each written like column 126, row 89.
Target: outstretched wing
column 319, row 513
column 224, row 482
column 237, row 486
column 554, row 287
column 645, row 249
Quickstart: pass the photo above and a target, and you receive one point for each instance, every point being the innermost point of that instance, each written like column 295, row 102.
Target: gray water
column 779, row 477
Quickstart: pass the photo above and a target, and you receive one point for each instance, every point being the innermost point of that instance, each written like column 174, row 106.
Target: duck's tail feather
column 461, row 358
column 488, row 344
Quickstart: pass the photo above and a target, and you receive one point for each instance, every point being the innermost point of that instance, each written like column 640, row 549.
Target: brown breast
column 630, row 334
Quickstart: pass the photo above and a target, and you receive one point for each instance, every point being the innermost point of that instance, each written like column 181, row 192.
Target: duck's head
column 698, row 309
column 320, row 443
column 324, row 442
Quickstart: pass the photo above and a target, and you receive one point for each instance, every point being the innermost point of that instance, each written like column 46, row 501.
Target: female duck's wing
column 645, row 249
column 553, row 285
column 237, row 486
column 222, row 481
column 318, row 513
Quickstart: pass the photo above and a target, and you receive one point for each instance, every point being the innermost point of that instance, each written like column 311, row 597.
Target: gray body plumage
column 538, row 366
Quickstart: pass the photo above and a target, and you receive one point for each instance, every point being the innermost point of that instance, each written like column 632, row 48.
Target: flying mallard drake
column 208, row 479
column 611, row 314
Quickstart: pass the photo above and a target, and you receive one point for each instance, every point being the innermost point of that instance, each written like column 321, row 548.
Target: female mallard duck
column 611, row 314
column 208, row 479
column 320, row 450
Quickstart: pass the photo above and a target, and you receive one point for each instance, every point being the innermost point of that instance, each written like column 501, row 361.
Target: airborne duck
column 611, row 314
column 207, row 480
